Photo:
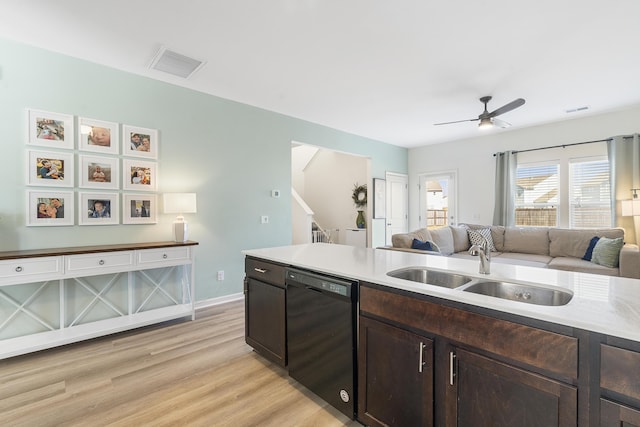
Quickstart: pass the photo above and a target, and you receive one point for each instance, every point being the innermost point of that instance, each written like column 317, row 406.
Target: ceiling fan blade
column 500, row 123
column 507, row 107
column 457, row 121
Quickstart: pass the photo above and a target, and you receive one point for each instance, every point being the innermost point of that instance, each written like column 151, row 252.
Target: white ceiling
column 384, row 69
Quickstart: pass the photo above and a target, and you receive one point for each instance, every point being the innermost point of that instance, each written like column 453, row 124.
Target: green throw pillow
column 607, row 252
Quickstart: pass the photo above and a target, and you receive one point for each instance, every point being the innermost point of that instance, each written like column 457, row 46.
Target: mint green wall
column 232, row 155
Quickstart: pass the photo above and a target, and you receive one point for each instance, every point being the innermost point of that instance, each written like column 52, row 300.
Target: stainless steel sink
column 519, row 292
column 430, row 277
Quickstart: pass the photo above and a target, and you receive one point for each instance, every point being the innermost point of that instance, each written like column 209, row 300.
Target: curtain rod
column 565, row 145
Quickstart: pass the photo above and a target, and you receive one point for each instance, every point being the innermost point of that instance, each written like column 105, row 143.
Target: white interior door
column 438, row 199
column 397, row 205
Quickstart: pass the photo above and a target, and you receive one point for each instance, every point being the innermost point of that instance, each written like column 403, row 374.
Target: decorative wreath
column 359, row 195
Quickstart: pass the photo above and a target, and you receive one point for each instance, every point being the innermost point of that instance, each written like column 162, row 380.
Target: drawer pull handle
column 260, row 270
column 101, row 262
column 18, row 269
column 452, row 372
column 164, row 256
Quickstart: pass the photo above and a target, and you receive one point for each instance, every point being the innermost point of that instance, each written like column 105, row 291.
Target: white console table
column 52, row 297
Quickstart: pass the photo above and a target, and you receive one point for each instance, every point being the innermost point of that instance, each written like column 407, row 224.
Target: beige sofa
column 545, row 247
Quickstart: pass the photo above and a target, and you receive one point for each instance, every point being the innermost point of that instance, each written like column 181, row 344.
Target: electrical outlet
column 221, row 275
column 264, row 219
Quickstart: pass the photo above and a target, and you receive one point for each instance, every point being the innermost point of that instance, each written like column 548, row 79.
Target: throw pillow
column 478, row 236
column 607, row 252
column 589, row 253
column 424, row 246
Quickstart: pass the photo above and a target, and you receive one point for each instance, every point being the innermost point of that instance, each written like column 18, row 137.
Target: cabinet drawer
column 164, row 256
column 31, row 269
column 550, row 351
column 100, row 263
column 619, row 370
column 265, row 271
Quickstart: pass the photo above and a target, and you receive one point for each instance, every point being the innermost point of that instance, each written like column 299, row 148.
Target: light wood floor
column 184, row 373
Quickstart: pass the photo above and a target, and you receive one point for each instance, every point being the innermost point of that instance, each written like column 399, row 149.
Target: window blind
column 589, row 194
column 537, row 193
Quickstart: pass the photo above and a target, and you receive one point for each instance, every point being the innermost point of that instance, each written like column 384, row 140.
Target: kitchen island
column 569, row 364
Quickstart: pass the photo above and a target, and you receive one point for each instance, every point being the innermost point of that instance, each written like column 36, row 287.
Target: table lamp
column 180, row 203
column 631, row 207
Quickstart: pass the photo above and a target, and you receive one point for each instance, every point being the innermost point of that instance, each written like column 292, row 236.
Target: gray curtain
column 504, row 212
column 624, row 169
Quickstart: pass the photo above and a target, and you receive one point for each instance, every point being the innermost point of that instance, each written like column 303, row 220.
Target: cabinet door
column 265, row 319
column 486, row 392
column 395, row 376
column 615, row 415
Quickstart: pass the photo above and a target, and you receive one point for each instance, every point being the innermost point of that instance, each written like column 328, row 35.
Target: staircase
column 305, row 228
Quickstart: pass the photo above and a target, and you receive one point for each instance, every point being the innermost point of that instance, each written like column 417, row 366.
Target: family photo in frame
column 139, row 209
column 50, row 208
column 140, row 175
column 98, row 136
column 140, row 142
column 52, row 130
column 98, row 209
column 51, row 169
column 99, row 172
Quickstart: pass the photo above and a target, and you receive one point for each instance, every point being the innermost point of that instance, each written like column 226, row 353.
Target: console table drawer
column 99, row 263
column 164, row 256
column 31, row 269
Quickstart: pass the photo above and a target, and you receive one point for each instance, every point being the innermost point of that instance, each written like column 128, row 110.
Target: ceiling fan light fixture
column 485, row 123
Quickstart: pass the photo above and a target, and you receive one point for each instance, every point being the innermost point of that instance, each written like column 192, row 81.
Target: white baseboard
column 219, row 300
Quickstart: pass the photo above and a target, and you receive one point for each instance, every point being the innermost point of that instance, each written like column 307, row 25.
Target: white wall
column 473, row 158
column 301, row 155
column 328, row 185
column 232, row 155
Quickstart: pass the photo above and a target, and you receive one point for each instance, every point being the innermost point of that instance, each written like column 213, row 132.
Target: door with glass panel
column 438, row 200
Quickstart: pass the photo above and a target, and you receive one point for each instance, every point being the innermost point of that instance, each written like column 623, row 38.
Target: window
column 567, row 192
column 537, row 193
column 589, row 194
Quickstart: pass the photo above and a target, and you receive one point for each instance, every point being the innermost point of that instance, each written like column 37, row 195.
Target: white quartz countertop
column 608, row 305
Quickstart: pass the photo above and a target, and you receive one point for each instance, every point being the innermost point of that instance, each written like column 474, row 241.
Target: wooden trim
column 78, row 250
column 549, row 351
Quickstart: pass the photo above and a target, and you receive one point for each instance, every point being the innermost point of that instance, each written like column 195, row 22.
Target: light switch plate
column 264, row 219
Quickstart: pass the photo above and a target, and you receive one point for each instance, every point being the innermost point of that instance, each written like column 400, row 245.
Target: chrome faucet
column 484, row 253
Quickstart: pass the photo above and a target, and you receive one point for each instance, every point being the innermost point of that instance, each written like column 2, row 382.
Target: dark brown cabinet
column 265, row 318
column 395, row 376
column 486, row 371
column 485, row 392
column 619, row 380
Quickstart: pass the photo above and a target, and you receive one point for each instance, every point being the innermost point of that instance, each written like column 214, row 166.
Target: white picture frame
column 54, row 213
column 60, row 169
column 139, row 209
column 139, row 175
column 51, row 130
column 99, row 172
column 140, row 142
column 98, row 136
column 98, row 209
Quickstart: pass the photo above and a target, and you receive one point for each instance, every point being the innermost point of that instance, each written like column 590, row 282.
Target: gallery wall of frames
column 105, row 172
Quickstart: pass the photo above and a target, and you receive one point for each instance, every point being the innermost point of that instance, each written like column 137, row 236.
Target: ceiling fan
column 488, row 119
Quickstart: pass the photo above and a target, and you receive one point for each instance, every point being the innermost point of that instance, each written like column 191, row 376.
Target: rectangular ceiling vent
column 174, row 63
column 575, row 110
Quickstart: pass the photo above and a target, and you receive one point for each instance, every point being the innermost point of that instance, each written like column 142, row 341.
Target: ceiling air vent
column 174, row 63
column 578, row 109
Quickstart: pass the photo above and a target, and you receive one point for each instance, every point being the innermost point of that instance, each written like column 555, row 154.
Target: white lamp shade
column 179, row 203
column 631, row 207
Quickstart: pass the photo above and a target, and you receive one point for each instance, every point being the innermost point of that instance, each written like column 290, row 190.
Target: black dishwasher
column 321, row 320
